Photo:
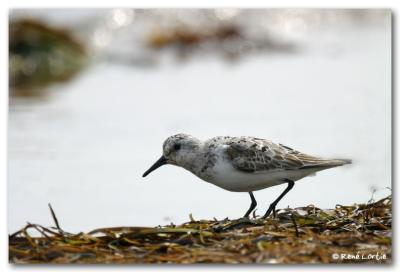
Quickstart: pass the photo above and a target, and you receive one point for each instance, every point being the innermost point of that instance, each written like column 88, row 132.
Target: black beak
column 161, row 161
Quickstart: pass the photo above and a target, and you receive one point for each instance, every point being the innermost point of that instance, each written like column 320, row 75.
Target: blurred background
column 95, row 92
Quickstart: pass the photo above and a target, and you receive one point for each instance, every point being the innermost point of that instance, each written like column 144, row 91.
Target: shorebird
column 242, row 164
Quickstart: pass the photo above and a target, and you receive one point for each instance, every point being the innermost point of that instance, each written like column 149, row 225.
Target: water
column 84, row 148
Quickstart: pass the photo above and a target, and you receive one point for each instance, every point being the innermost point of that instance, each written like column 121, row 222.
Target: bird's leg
column 252, row 205
column 273, row 204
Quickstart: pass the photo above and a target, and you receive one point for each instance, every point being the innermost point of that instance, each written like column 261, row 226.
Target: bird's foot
column 270, row 209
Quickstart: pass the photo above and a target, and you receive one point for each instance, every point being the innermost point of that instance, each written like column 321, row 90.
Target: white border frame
column 393, row 5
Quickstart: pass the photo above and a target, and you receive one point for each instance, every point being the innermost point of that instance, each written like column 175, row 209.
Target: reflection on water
column 84, row 147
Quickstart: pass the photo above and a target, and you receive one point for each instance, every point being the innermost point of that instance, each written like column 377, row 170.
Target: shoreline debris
column 359, row 233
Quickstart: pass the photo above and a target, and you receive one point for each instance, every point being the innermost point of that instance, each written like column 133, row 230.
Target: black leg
column 252, row 205
column 273, row 204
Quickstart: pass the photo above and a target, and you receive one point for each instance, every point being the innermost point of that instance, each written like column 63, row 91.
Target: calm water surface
column 85, row 147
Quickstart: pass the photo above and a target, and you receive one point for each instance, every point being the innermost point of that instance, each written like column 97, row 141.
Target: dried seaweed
column 347, row 234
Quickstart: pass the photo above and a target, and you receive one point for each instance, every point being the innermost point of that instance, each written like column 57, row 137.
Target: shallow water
column 85, row 147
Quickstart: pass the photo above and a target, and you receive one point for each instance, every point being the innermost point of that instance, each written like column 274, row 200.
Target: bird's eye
column 177, row 147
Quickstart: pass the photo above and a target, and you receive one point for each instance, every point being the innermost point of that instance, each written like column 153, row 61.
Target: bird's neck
column 201, row 163
column 193, row 159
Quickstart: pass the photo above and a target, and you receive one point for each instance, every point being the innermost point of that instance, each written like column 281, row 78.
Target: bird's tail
column 325, row 164
column 336, row 162
column 343, row 161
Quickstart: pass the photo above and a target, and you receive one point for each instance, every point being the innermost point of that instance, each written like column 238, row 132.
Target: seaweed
column 359, row 233
column 40, row 55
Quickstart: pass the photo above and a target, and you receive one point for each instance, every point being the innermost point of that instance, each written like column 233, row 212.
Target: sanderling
column 242, row 164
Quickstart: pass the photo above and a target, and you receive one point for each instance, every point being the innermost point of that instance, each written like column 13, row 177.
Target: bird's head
column 179, row 149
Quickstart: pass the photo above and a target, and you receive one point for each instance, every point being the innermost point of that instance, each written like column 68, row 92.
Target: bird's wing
column 250, row 154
